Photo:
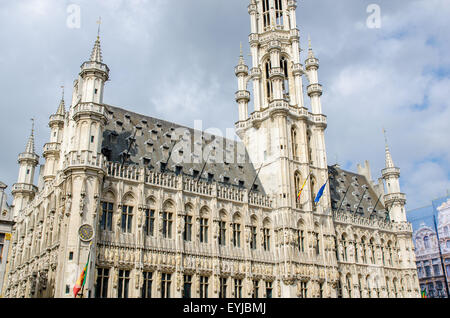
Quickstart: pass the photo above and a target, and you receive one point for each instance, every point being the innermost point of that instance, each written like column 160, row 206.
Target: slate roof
column 135, row 139
column 341, row 180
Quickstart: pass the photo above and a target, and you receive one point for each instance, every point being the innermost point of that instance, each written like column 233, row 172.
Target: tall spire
column 310, row 50
column 30, row 144
column 96, row 55
column 62, row 108
column 241, row 56
column 389, row 161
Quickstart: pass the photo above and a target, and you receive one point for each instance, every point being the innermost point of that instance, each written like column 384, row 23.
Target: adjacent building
column 6, row 225
column 431, row 226
column 163, row 210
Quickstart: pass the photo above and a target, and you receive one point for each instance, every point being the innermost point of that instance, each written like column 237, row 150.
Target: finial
column 32, row 126
column 99, row 22
column 62, row 88
column 241, row 54
column 309, row 42
column 385, row 136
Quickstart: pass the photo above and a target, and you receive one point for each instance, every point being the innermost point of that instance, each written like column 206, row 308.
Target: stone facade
column 224, row 220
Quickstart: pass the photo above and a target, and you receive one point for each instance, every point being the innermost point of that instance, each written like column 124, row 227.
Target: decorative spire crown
column 62, row 107
column 389, row 161
column 310, row 50
column 96, row 55
column 30, row 144
column 241, row 56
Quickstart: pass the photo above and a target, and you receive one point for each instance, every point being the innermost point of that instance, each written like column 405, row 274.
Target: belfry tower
column 283, row 135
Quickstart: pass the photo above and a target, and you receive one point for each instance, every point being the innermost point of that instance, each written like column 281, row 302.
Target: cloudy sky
column 174, row 60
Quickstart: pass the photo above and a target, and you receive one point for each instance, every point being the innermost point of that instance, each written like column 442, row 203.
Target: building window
column 436, row 270
column 428, row 271
column 70, row 255
column 269, row 87
column 165, row 285
column 147, row 285
column 187, row 234
column 92, row 139
column 339, row 289
column 203, row 230
column 253, row 237
column 124, row 281
column 349, row 286
column 269, row 289
column 204, row 286
column 238, row 288
column 2, row 243
column 127, row 218
column 279, row 12
column 236, row 235
column 344, row 247
column 301, row 240
column 426, row 242
column 294, row 147
column 149, row 222
column 255, row 288
column 355, row 248
column 187, row 286
column 167, row 225
column 266, row 233
column 101, row 288
column 321, row 290
column 222, row 232
column 266, row 14
column 317, row 247
column 303, row 290
column 223, row 287
column 107, row 216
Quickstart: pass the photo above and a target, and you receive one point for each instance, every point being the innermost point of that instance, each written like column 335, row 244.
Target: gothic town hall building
column 164, row 210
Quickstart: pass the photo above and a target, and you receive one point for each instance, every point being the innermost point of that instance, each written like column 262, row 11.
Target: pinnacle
column 96, row 55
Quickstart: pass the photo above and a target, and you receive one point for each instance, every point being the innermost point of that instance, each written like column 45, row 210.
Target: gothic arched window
column 269, row 88
column 297, row 183
column 266, row 14
column 426, row 242
column 312, row 182
column 279, row 12
column 294, row 144
column 284, row 67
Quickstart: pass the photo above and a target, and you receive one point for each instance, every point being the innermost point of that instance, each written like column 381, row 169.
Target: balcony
column 315, row 89
column 23, row 187
column 276, row 72
column 89, row 109
column 390, row 198
column 243, row 96
column 390, row 171
column 51, row 147
column 84, row 159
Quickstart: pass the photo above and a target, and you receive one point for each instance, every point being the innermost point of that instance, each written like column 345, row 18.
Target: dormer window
column 195, row 173
column 226, row 179
column 210, row 177
column 241, row 183
column 178, row 170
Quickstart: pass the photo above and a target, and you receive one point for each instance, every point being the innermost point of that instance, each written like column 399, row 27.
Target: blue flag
column 320, row 194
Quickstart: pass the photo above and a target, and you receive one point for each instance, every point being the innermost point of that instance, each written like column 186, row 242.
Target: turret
column 394, row 200
column 314, row 89
column 88, row 111
column 242, row 95
column 52, row 149
column 24, row 190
